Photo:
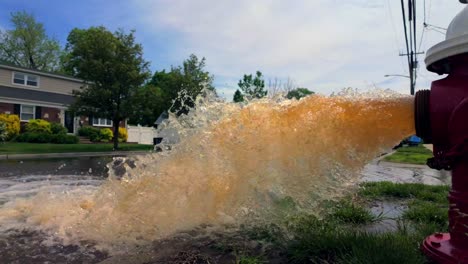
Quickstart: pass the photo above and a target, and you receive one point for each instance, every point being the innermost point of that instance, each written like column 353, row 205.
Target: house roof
column 163, row 116
column 4, row 65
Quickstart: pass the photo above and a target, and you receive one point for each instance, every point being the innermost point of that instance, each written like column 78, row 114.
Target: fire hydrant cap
column 456, row 42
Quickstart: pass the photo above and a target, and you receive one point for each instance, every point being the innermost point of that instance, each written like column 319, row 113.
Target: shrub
column 64, row 139
column 106, row 134
column 123, row 134
column 95, row 137
column 94, row 134
column 3, row 132
column 12, row 124
column 38, row 126
column 57, row 128
column 33, row 137
column 86, row 131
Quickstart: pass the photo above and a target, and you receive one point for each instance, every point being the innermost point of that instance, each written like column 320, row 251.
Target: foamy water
column 233, row 161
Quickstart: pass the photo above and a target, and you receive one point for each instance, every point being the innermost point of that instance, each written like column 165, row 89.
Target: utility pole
column 409, row 26
column 413, row 68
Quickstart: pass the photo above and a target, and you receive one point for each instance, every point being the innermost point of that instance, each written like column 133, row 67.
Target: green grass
column 34, row 148
column 348, row 212
column 414, row 155
column 428, row 213
column 338, row 235
column 318, row 241
column 426, row 204
column 437, row 193
column 250, row 260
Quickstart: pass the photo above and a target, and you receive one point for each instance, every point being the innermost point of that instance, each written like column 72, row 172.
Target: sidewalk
column 71, row 155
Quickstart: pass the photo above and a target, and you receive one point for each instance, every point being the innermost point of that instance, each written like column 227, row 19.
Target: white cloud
column 323, row 44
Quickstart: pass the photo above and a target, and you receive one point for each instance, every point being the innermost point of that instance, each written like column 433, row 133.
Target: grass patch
column 347, row 212
column 338, row 234
column 427, row 213
column 414, row 155
column 318, row 241
column 33, row 148
column 426, row 204
column 250, row 260
column 437, row 193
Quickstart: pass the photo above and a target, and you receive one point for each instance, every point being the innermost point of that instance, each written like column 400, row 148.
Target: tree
column 148, row 105
column 27, row 45
column 113, row 68
column 238, row 97
column 277, row 86
column 189, row 79
column 299, row 93
column 253, row 87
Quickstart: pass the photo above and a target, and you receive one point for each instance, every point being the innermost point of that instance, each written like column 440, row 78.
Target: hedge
column 33, row 137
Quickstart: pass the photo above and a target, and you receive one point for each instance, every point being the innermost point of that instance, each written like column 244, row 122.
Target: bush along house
column 33, row 94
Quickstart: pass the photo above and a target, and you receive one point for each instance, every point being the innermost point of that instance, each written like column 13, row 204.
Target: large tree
column 113, row 68
column 27, row 44
column 253, row 87
column 188, row 80
column 149, row 103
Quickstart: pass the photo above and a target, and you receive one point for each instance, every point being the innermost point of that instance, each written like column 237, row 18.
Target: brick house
column 33, row 94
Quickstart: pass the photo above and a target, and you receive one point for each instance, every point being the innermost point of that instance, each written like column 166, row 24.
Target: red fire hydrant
column 441, row 117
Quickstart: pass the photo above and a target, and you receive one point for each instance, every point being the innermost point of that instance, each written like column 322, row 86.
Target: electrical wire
column 434, row 26
column 423, row 29
column 406, row 34
column 395, row 35
column 424, row 6
column 415, row 59
column 436, row 30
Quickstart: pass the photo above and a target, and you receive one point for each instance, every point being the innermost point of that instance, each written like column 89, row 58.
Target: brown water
column 232, row 162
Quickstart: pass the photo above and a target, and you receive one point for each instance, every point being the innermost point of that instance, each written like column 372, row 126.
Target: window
column 25, row 79
column 32, row 80
column 102, row 122
column 19, row 78
column 27, row 112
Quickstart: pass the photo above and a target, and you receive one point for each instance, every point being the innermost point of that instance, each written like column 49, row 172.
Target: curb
column 403, row 165
column 71, row 155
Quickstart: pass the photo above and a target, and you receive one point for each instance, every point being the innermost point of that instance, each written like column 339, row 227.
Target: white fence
column 141, row 135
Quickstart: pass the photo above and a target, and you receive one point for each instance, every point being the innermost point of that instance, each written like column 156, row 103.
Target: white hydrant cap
column 456, row 42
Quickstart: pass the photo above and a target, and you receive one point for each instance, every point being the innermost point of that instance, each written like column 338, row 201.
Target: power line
column 429, row 10
column 436, row 30
column 424, row 5
column 409, row 44
column 395, row 35
column 421, row 39
column 406, row 31
column 434, row 26
column 415, row 59
column 423, row 29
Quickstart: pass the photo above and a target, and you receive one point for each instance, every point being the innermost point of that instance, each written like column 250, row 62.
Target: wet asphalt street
column 58, row 166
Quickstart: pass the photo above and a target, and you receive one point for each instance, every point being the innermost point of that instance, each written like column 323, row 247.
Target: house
column 33, row 94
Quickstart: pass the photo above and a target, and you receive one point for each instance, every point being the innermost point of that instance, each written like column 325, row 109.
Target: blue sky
column 324, row 45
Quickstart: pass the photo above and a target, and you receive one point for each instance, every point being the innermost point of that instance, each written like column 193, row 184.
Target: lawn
column 33, row 148
column 414, row 155
column 338, row 234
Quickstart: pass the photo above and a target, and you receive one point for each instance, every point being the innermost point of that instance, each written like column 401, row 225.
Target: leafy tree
column 253, row 87
column 113, row 68
column 238, row 97
column 299, row 93
column 189, row 79
column 149, row 104
column 27, row 45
